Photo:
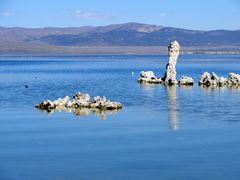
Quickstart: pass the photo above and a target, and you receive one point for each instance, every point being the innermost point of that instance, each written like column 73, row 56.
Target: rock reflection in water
column 220, row 89
column 83, row 112
column 173, row 116
column 148, row 89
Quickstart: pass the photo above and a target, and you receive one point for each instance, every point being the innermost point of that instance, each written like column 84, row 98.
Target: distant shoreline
column 113, row 50
column 77, row 56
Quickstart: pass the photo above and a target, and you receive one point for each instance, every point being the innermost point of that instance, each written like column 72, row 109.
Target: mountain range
column 77, row 40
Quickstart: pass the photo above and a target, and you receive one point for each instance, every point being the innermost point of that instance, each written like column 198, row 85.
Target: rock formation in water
column 149, row 77
column 212, row 79
column 185, row 81
column 80, row 100
column 209, row 79
column 170, row 74
column 233, row 79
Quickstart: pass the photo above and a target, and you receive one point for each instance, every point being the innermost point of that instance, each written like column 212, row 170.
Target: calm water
column 161, row 133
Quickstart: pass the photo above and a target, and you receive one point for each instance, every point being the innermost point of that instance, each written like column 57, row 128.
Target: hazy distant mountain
column 129, row 34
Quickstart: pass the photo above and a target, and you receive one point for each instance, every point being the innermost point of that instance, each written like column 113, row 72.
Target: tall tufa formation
column 169, row 77
column 170, row 74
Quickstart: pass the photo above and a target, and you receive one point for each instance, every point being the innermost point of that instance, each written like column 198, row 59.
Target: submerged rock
column 212, row 79
column 149, row 77
column 185, row 80
column 46, row 104
column 80, row 100
column 170, row 74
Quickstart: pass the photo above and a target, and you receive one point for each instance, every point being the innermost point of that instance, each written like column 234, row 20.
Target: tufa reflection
column 83, row 112
column 148, row 88
column 173, row 116
column 233, row 88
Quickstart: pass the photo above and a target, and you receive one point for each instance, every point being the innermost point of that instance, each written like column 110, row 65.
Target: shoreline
column 111, row 50
column 109, row 54
column 32, row 56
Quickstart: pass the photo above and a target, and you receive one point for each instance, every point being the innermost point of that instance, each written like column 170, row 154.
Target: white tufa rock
column 104, row 103
column 170, row 74
column 233, row 79
column 80, row 100
column 185, row 80
column 81, row 97
column 149, row 77
column 212, row 79
column 61, row 101
column 209, row 79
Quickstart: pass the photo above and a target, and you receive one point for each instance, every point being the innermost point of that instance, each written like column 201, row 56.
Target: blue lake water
column 161, row 132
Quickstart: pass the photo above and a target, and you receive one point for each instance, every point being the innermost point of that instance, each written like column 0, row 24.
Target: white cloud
column 6, row 13
column 86, row 15
column 163, row 14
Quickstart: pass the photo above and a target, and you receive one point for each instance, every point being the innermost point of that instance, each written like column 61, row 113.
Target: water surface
column 161, row 132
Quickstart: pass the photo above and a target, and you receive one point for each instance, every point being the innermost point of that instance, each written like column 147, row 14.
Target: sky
column 189, row 14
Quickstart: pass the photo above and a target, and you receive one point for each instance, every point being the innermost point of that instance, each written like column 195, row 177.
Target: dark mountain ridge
column 129, row 34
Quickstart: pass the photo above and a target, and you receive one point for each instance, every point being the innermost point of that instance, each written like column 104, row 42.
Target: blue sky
column 190, row 14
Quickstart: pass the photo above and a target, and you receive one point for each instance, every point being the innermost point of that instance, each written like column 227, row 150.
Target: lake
column 161, row 132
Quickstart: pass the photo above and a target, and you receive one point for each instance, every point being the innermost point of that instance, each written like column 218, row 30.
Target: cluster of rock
column 169, row 77
column 150, row 78
column 212, row 79
column 80, row 100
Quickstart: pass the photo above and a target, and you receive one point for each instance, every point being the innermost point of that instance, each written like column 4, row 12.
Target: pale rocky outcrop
column 149, row 77
column 170, row 74
column 169, row 77
column 185, row 81
column 212, row 79
column 233, row 79
column 80, row 100
column 209, row 79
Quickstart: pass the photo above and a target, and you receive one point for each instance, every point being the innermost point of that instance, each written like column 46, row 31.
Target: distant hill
column 72, row 40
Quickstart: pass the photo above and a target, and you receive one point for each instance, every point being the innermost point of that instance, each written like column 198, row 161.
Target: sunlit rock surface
column 209, row 79
column 80, row 100
column 169, row 77
column 149, row 77
column 212, row 79
column 186, row 81
column 170, row 74
column 233, row 79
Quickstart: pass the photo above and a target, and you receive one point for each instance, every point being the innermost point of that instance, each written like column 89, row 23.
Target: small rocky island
column 79, row 100
column 169, row 77
column 212, row 79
